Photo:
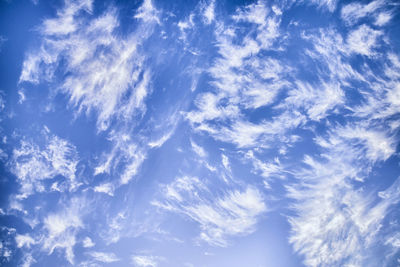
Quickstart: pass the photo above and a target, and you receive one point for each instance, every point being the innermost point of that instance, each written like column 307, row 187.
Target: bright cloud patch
column 234, row 213
column 32, row 164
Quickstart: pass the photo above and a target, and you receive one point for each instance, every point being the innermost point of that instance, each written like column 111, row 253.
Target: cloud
column 268, row 170
column 330, row 5
column 363, row 40
column 331, row 52
column 32, row 164
column 61, row 228
column 145, row 261
column 28, row 260
column 254, row 13
column 109, row 80
column 336, row 223
column 272, row 92
column 106, row 188
column 235, row 213
column 317, row 100
column 87, row 242
column 379, row 146
column 383, row 18
column 225, row 162
column 6, row 246
column 208, row 12
column 198, row 150
column 161, row 141
column 105, row 257
column 353, row 12
column 65, row 23
column 126, row 154
column 147, row 12
column 167, row 128
column 244, row 80
column 24, row 240
column 22, row 96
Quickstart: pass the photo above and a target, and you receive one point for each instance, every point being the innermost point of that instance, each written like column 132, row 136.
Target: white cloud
column 62, row 227
column 198, row 149
column 105, row 257
column 225, row 162
column 24, row 240
column 106, row 72
column 254, row 13
column 353, row 12
column 106, row 188
column 235, row 213
column 107, row 77
column 148, row 12
column 31, row 163
column 145, row 261
column 394, row 241
column 383, row 18
column 167, row 128
column 363, row 40
column 28, row 260
column 379, row 146
column 209, row 109
column 66, row 23
column 243, row 80
column 317, row 100
column 330, row 51
column 162, row 140
column 87, row 242
column 328, row 4
column 21, row 95
column 126, row 154
column 267, row 170
column 208, row 11
column 336, row 223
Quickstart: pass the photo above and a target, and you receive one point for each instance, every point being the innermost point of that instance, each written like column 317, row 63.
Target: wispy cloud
column 262, row 88
column 330, row 5
column 208, row 11
column 383, row 18
column 317, row 100
column 109, row 80
column 363, row 40
column 235, row 213
column 336, row 223
column 125, row 153
column 61, row 228
column 353, row 12
column 198, row 150
column 147, row 12
column 145, row 260
column 32, row 164
column 105, row 257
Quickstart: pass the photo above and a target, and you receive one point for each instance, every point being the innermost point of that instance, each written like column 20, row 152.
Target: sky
column 199, row 133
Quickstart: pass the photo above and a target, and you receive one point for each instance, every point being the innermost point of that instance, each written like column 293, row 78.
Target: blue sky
column 199, row 133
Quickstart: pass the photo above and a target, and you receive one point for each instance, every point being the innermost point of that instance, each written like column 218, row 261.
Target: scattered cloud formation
column 32, row 164
column 234, row 213
column 156, row 133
